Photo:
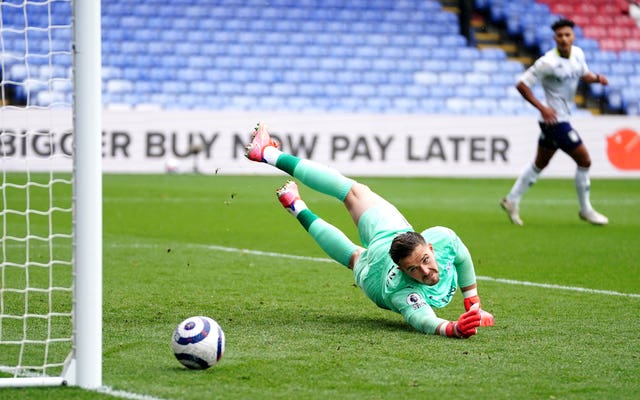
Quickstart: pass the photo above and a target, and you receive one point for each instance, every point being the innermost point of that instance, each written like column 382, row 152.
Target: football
column 198, row 342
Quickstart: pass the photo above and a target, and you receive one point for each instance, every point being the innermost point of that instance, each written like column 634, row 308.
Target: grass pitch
column 565, row 295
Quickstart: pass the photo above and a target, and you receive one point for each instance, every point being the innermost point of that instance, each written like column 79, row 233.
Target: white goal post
column 51, row 219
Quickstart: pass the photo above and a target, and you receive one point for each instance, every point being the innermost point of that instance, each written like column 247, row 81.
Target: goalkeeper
column 399, row 269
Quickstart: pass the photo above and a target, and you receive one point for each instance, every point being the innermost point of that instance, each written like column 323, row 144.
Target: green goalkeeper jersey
column 388, row 287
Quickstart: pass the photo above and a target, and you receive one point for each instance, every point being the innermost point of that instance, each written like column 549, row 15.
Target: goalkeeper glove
column 466, row 325
column 486, row 319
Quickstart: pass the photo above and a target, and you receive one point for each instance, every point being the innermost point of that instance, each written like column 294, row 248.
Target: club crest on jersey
column 415, row 301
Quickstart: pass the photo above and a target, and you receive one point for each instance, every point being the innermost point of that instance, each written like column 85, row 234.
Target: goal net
column 50, row 190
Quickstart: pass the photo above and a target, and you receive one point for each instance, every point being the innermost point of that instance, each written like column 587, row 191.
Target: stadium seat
column 426, row 78
column 479, row 78
column 311, row 90
column 348, row 77
column 389, row 90
column 300, row 50
column 458, row 105
column 377, row 104
column 452, row 79
column 406, row 105
column 431, row 106
column 119, row 86
column 416, row 91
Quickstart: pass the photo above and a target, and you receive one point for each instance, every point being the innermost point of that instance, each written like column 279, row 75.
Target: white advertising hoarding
column 357, row 144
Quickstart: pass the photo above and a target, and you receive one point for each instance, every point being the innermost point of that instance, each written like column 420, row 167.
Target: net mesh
column 36, row 274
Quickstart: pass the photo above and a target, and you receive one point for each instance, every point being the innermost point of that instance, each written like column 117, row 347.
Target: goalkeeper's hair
column 403, row 245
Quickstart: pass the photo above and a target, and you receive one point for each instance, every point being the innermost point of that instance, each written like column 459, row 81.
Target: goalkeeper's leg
column 317, row 176
column 329, row 238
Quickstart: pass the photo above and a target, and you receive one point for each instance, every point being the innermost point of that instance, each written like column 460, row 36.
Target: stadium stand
column 605, row 30
column 404, row 56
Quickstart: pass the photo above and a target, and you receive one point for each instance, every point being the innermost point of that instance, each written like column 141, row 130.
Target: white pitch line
column 125, row 395
column 559, row 287
column 483, row 278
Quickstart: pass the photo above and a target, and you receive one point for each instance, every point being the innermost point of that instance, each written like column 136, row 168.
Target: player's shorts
column 559, row 136
column 381, row 220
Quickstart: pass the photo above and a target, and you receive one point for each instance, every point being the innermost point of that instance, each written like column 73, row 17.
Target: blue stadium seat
column 202, row 87
column 336, row 90
column 217, row 75
column 298, row 103
column 384, row 64
column 272, row 102
column 311, row 90
column 417, row 91
column 174, row 87
column 431, row 105
column 453, row 41
column 393, row 52
column 134, row 74
column 621, row 68
column 351, row 104
column 322, row 76
column 332, row 63
column 284, row 89
column 441, row 91
column 348, row 77
column 492, row 91
column 359, row 64
column 407, row 49
column 477, row 78
column 362, row 90
column 487, row 66
column 418, row 53
column 459, row 66
column 374, row 77
column 119, row 86
column 451, row 78
column 435, row 65
column 243, row 76
column 466, row 54
column 426, row 78
column 390, row 90
column 406, row 104
column 230, row 88
column 296, row 76
column 458, row 105
column 377, row 104
column 257, row 89
column 485, row 106
column 468, row 92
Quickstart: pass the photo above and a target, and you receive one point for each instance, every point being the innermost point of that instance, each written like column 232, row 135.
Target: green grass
column 299, row 328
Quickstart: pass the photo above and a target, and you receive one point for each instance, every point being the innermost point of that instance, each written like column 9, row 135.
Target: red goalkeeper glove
column 486, row 319
column 466, row 325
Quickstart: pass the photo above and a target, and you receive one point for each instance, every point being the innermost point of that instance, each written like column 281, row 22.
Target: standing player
column 398, row 269
column 559, row 72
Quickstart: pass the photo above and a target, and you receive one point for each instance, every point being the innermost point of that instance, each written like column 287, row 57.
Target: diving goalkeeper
column 399, row 269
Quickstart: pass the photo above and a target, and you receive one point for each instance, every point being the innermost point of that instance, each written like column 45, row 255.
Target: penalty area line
column 481, row 278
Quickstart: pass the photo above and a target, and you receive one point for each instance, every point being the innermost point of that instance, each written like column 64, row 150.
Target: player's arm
column 548, row 114
column 422, row 317
column 533, row 75
column 463, row 264
column 591, row 77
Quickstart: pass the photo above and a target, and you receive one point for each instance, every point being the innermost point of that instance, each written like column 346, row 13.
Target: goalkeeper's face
column 421, row 265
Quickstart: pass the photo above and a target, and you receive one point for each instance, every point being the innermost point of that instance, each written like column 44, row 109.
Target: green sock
column 317, row 176
column 330, row 239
